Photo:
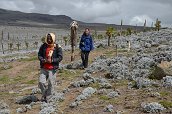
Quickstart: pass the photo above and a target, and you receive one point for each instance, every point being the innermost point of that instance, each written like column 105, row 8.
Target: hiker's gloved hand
column 44, row 60
column 49, row 60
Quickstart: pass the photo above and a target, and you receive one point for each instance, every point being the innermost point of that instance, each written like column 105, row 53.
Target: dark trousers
column 84, row 57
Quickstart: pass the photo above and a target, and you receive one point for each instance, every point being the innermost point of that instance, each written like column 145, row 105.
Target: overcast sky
column 100, row 11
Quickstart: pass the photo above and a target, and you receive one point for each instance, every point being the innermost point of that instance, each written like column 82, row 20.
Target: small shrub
column 104, row 97
column 166, row 104
column 164, row 93
column 157, row 73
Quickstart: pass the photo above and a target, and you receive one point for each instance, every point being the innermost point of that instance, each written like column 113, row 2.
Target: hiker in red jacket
column 50, row 55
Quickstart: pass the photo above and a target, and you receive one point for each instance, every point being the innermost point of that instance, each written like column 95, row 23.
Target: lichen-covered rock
column 102, row 91
column 109, row 108
column 82, row 83
column 144, row 62
column 113, row 94
column 143, row 82
column 74, row 65
column 105, row 85
column 36, row 91
column 167, row 81
column 154, row 94
column 51, row 106
column 56, row 97
column 4, row 108
column 102, row 45
column 123, row 67
column 97, row 66
column 19, row 110
column 25, row 108
column 73, row 104
column 148, row 45
column 86, row 93
column 119, row 70
column 87, row 76
column 153, row 107
column 47, row 108
column 3, row 105
column 135, row 73
column 101, row 80
column 65, row 90
column 101, row 57
column 162, row 56
column 4, row 111
column 29, row 107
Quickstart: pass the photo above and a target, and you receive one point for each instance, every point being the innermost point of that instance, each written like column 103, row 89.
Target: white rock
column 153, row 107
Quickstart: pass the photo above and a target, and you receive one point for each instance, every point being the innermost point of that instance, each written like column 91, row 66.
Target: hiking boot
column 82, row 68
column 43, row 99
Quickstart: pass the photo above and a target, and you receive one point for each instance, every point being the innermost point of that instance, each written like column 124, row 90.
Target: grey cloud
column 106, row 11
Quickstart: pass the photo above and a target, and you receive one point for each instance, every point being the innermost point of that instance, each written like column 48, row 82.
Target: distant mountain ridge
column 8, row 17
column 17, row 18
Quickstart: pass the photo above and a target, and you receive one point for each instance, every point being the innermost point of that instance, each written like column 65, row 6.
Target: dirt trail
column 22, row 71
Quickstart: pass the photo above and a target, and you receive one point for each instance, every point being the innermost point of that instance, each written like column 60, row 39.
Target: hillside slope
column 17, row 18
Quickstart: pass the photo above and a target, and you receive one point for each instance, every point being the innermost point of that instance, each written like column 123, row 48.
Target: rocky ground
column 133, row 82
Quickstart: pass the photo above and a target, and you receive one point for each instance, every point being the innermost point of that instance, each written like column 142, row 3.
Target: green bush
column 157, row 73
column 166, row 104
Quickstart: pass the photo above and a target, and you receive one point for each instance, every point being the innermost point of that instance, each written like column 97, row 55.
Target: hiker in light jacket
column 50, row 55
column 86, row 45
